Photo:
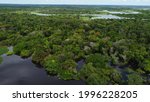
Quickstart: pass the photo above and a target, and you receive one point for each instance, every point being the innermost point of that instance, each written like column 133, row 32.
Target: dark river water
column 17, row 71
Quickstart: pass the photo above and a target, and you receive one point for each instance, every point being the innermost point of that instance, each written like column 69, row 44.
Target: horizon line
column 75, row 4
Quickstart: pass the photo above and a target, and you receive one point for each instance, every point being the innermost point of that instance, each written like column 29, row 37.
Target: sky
column 88, row 2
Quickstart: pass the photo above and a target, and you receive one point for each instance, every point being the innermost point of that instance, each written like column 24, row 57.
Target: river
column 15, row 70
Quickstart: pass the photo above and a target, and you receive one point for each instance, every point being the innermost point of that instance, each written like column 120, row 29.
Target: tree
column 68, row 69
column 97, row 79
column 98, row 60
column 39, row 54
column 147, row 66
column 19, row 47
column 135, row 79
column 136, row 55
column 52, row 65
column 87, row 70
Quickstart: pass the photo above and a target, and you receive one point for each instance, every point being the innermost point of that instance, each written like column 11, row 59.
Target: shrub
column 25, row 53
column 134, row 79
column 51, row 64
column 3, row 49
column 9, row 53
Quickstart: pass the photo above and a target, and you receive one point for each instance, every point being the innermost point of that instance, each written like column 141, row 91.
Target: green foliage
column 3, row 36
column 67, row 74
column 25, row 53
column 129, row 70
column 39, row 55
column 147, row 66
column 19, row 47
column 136, row 55
column 3, row 49
column 96, row 79
column 135, row 79
column 98, row 60
column 1, row 59
column 87, row 70
column 116, row 77
column 9, row 53
column 52, row 64
column 105, row 76
column 68, row 69
column 140, row 71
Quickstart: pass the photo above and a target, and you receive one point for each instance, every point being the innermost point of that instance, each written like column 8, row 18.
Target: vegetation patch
column 3, row 49
column 9, row 53
column 1, row 60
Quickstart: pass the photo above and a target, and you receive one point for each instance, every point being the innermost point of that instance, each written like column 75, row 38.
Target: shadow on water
column 121, row 69
column 15, row 70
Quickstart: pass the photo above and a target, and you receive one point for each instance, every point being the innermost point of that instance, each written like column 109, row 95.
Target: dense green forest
column 113, row 51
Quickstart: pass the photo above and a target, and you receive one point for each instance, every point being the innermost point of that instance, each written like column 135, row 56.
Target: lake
column 108, row 15
column 119, row 12
column 93, row 16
